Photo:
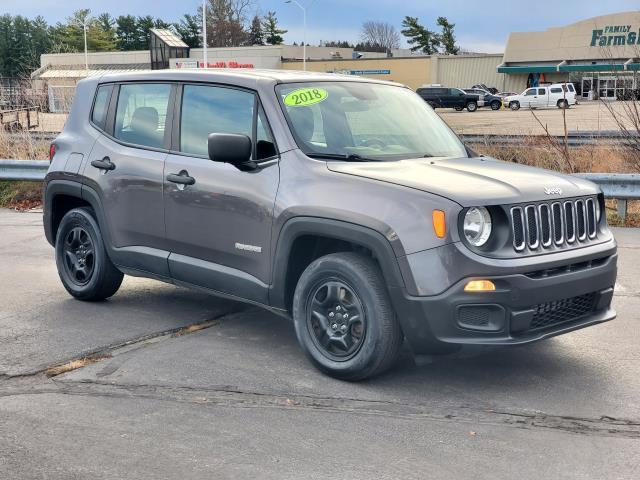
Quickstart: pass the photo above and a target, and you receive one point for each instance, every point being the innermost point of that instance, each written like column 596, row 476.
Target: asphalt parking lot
column 587, row 116
column 190, row 386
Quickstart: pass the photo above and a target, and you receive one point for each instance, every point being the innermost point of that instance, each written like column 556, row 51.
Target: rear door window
column 101, row 105
column 141, row 114
column 542, row 91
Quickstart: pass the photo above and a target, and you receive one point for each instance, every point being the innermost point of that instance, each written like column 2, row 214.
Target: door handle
column 104, row 164
column 181, row 178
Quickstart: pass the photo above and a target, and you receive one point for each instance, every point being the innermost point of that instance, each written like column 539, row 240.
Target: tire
column 355, row 350
column 458, row 109
column 495, row 105
column 83, row 265
column 472, row 106
column 563, row 104
column 514, row 106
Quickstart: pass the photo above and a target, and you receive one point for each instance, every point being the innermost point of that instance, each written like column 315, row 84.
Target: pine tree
column 272, row 32
column 189, row 30
column 126, row 32
column 447, row 38
column 256, row 34
column 419, row 37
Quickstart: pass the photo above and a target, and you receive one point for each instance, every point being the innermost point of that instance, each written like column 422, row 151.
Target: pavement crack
column 234, row 397
column 95, row 355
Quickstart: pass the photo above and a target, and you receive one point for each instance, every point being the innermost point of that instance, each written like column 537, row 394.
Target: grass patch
column 20, row 195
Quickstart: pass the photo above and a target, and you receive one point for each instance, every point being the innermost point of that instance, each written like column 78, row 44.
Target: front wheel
column 83, row 265
column 344, row 319
column 472, row 106
column 514, row 106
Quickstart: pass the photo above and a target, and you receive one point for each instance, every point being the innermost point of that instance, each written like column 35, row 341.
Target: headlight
column 477, row 226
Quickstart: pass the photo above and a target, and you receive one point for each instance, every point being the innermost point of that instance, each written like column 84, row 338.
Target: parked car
column 343, row 203
column 485, row 99
column 561, row 95
column 482, row 86
column 441, row 97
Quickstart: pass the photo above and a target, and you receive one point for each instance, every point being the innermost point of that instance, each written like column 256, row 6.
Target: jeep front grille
column 556, row 224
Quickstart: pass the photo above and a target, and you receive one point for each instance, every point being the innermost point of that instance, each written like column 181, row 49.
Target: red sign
column 222, row 64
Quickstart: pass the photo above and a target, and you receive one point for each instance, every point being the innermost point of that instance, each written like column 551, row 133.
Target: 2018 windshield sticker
column 303, row 97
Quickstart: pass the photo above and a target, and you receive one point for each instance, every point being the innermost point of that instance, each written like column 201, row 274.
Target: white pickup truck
column 561, row 95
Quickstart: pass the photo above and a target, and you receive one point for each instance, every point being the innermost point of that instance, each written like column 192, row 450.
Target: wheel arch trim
column 55, row 187
column 364, row 236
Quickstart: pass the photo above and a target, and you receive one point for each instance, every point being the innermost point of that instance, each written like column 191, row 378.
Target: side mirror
column 231, row 148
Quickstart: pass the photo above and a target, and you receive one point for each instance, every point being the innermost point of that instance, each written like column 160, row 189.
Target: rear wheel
column 458, row 108
column 472, row 106
column 563, row 104
column 495, row 105
column 83, row 265
column 343, row 317
column 514, row 106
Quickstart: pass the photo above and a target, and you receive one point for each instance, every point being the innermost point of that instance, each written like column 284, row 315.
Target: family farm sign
column 615, row 35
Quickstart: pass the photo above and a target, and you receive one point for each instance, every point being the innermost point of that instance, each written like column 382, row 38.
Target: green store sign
column 615, row 35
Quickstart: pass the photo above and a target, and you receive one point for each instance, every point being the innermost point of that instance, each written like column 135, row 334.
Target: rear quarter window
column 101, row 105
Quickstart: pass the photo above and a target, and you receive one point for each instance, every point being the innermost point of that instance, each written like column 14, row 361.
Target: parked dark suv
column 343, row 203
column 440, row 97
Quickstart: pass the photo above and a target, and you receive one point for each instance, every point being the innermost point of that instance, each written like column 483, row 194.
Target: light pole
column 204, row 32
column 304, row 30
column 85, row 22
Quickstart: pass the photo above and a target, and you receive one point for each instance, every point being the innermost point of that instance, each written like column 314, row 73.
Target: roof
column 168, row 37
column 238, row 74
column 79, row 71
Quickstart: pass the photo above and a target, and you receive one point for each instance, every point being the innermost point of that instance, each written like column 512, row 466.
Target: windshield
column 358, row 120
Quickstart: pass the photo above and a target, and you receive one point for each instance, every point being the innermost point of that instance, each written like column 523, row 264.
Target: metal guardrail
column 574, row 139
column 621, row 186
column 29, row 170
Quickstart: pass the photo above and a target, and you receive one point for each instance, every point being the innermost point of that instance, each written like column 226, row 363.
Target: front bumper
column 525, row 307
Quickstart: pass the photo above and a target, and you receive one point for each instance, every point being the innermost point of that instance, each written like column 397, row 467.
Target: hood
column 472, row 181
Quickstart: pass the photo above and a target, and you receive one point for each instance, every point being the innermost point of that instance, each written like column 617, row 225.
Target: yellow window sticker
column 303, row 97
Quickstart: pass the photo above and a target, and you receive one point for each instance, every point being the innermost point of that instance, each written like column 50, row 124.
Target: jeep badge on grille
column 553, row 191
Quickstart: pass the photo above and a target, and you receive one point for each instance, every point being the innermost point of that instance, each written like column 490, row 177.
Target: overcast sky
column 480, row 26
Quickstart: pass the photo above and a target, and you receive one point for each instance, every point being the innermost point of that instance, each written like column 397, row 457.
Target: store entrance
column 587, row 86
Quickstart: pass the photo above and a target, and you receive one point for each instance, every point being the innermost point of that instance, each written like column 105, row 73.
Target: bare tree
column 626, row 115
column 381, row 34
column 226, row 21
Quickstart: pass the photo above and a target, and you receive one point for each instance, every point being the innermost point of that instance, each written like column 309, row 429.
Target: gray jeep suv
column 343, row 203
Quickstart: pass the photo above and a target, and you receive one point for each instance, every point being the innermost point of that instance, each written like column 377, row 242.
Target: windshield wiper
column 351, row 157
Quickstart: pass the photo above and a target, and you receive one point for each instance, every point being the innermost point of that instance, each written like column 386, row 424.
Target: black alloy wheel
column 79, row 255
column 336, row 319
